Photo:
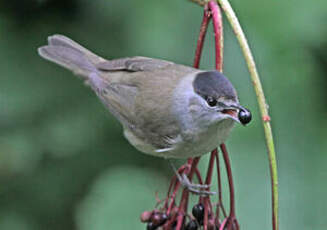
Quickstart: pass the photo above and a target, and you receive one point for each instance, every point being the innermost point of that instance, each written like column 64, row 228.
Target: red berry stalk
column 172, row 216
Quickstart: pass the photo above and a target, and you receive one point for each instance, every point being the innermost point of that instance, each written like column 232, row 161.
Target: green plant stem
column 261, row 100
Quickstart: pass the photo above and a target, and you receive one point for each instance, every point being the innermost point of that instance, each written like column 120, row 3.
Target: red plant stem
column 185, row 195
column 198, row 52
column 198, row 175
column 218, row 31
column 202, row 34
column 223, row 224
column 207, row 204
column 217, row 24
column 173, row 196
column 190, row 161
column 230, row 181
column 176, row 184
column 210, row 169
column 220, row 195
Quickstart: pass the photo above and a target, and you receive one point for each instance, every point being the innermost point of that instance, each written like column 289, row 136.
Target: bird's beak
column 233, row 111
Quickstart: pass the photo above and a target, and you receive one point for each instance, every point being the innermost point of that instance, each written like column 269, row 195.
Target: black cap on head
column 215, row 85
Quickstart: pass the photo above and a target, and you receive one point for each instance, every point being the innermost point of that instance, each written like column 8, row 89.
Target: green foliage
column 64, row 163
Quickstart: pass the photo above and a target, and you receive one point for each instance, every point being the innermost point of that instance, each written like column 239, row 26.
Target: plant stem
column 220, row 197
column 218, row 31
column 185, row 195
column 207, row 203
column 262, row 104
column 231, row 218
column 230, row 180
column 202, row 35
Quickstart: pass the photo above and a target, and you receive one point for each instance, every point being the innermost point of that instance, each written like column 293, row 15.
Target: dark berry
column 192, row 225
column 151, row 226
column 174, row 226
column 244, row 116
column 159, row 219
column 198, row 212
column 164, row 218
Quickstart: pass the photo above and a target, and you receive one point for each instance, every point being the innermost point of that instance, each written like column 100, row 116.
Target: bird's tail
column 70, row 55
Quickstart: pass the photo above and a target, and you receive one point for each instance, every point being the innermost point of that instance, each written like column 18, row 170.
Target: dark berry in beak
column 244, row 116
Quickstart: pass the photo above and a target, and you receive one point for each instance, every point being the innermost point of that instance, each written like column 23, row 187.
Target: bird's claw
column 199, row 189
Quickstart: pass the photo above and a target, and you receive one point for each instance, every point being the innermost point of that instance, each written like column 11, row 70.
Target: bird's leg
column 199, row 189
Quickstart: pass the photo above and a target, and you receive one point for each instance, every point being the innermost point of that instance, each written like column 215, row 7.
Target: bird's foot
column 199, row 189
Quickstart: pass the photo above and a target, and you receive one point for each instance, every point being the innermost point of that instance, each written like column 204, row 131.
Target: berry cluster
column 156, row 219
column 169, row 215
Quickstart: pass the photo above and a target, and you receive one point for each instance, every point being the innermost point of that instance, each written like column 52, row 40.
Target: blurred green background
column 64, row 163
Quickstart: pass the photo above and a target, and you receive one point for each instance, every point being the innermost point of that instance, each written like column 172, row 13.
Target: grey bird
column 166, row 109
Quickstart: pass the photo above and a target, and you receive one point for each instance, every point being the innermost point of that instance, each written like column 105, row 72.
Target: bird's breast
column 207, row 140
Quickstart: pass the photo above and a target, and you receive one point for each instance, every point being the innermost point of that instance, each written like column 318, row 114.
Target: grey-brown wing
column 154, row 126
column 141, row 78
column 133, row 64
column 118, row 97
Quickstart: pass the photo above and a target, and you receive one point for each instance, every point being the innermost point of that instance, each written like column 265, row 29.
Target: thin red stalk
column 217, row 24
column 185, row 194
column 173, row 181
column 198, row 175
column 202, row 34
column 218, row 31
column 190, row 161
column 198, row 52
column 230, row 181
column 210, row 168
column 176, row 184
column 220, row 196
column 206, row 212
column 223, row 224
column 207, row 204
column 173, row 196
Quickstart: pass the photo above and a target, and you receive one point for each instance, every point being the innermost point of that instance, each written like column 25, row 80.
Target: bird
column 166, row 109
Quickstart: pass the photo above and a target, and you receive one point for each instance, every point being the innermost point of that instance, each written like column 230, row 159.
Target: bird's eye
column 211, row 101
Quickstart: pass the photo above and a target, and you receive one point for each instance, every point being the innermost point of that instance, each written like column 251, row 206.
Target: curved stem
column 202, row 35
column 207, row 203
column 220, row 197
column 262, row 104
column 230, row 181
column 218, row 31
column 185, row 195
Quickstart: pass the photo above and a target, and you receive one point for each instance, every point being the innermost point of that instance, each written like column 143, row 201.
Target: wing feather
column 133, row 64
